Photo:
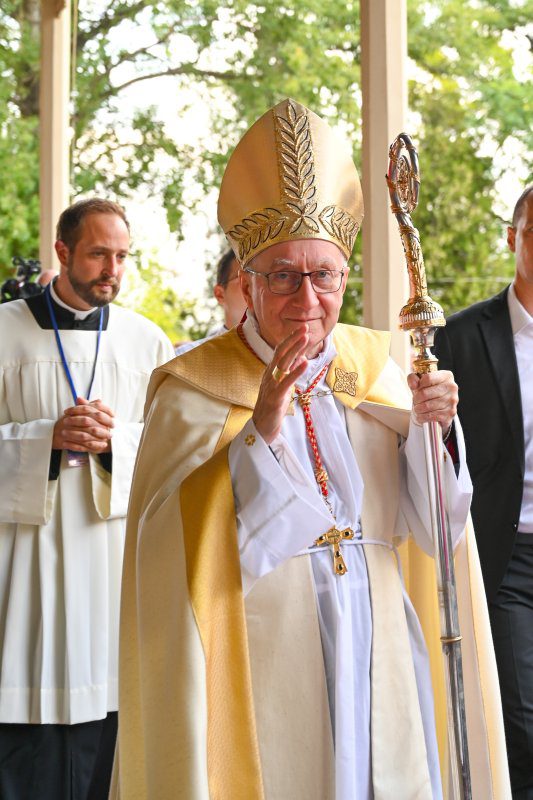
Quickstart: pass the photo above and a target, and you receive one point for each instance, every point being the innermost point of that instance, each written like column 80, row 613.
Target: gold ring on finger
column 278, row 374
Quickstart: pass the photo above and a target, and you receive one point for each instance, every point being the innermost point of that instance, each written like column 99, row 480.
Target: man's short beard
column 88, row 291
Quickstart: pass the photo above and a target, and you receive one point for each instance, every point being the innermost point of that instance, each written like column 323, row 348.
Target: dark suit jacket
column 477, row 346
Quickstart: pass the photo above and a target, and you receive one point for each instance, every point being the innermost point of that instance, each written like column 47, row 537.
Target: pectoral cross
column 334, row 537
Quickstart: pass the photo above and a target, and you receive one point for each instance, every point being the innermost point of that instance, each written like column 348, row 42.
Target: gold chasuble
column 223, row 698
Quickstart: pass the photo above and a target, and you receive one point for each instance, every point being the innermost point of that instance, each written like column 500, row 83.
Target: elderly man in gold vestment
column 268, row 647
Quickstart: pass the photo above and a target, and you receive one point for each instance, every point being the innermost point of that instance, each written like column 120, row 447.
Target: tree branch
column 107, row 22
column 185, row 69
column 106, row 148
column 131, row 56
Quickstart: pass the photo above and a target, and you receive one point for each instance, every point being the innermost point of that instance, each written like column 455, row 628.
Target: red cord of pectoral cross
column 304, row 398
column 333, row 536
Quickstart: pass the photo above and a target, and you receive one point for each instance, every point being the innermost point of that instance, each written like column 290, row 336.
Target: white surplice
column 61, row 541
column 280, row 513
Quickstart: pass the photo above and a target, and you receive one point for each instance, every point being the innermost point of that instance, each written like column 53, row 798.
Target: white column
column 54, row 122
column 384, row 84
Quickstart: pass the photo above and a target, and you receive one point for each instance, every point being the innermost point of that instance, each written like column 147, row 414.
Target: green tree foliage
column 238, row 58
column 19, row 151
column 147, row 290
column 468, row 99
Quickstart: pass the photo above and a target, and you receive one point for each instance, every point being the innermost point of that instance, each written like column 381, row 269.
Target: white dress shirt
column 522, row 325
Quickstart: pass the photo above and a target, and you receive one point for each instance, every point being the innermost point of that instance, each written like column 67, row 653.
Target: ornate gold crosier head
column 289, row 178
column 421, row 315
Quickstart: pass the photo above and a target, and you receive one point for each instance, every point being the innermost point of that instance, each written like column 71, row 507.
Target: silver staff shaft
column 449, row 620
column 421, row 316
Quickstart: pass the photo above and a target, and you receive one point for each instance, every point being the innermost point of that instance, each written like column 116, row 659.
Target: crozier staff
column 267, row 646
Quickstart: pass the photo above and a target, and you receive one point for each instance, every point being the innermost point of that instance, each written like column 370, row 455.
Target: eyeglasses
column 323, row 281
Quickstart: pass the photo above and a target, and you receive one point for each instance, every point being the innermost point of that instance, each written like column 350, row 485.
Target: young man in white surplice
column 73, row 376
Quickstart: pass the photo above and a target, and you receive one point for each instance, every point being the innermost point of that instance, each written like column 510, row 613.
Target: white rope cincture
column 360, row 541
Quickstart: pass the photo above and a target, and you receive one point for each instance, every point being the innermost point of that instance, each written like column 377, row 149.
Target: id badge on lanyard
column 74, row 458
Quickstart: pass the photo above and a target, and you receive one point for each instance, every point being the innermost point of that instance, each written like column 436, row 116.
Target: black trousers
column 57, row 762
column 511, row 617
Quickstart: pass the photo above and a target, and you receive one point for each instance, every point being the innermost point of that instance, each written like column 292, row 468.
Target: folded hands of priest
column 85, row 427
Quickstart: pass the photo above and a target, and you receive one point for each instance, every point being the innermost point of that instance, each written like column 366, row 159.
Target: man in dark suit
column 489, row 348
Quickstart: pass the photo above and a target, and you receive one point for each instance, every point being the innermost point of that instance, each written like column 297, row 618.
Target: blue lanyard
column 62, row 352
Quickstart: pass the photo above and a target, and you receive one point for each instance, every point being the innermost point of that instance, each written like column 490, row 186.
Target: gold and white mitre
column 289, row 178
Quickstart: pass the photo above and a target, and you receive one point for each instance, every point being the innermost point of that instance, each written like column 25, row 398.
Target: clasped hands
column 85, row 427
column 435, row 395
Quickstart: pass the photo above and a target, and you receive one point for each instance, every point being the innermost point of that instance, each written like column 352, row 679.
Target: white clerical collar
column 250, row 329
column 78, row 313
column 520, row 317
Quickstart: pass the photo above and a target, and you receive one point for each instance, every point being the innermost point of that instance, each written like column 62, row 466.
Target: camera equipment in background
column 22, row 285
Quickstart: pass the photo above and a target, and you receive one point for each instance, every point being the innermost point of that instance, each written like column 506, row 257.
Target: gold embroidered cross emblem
column 345, row 381
column 250, row 440
column 334, row 537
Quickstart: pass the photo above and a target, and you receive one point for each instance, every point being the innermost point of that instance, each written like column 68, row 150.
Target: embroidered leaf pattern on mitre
column 297, row 170
column 303, row 216
column 255, row 229
column 340, row 224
